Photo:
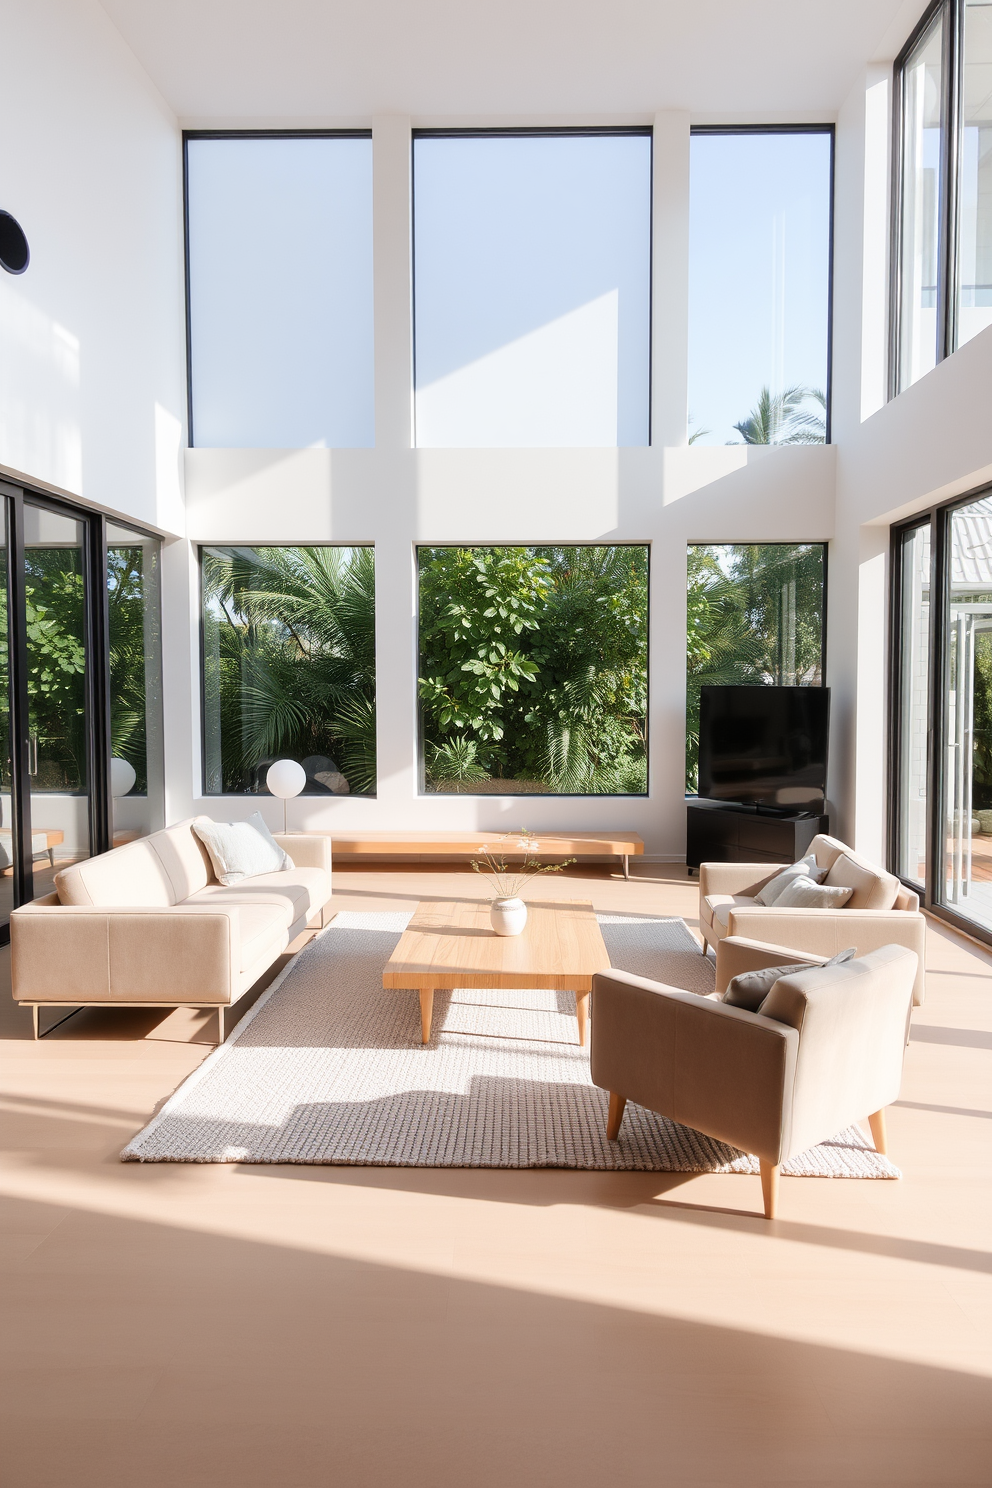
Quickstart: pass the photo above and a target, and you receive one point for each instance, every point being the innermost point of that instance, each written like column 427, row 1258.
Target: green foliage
column 534, row 667
column 754, row 615
column 981, row 793
column 130, row 612
column 289, row 665
column 784, row 418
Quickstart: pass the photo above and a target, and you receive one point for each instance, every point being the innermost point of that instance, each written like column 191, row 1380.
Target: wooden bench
column 353, row 844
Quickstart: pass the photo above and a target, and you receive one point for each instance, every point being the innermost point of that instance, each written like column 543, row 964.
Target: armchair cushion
column 720, row 905
column 750, row 989
column 803, row 893
column 872, row 888
column 806, row 866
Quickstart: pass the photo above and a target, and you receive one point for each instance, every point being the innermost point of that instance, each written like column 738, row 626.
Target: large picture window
column 279, row 253
column 289, row 667
column 759, row 285
column 532, row 288
column 534, row 670
column 755, row 615
column 942, row 287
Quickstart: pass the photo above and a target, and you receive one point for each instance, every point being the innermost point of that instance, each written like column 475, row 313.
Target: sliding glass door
column 80, row 704
column 942, row 710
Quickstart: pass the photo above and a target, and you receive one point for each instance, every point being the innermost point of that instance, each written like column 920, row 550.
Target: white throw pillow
column 240, row 850
column 803, row 893
column 773, row 888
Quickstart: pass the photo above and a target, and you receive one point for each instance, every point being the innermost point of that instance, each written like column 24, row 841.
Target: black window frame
column 831, row 131
column 951, row 15
column 96, row 685
column 225, row 134
column 939, row 517
column 639, row 131
column 201, row 548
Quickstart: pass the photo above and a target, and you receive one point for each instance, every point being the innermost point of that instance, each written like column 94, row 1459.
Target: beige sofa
column 826, row 1051
column 880, row 912
column 148, row 925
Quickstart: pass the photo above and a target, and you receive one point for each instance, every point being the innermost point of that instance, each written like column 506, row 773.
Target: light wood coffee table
column 452, row 944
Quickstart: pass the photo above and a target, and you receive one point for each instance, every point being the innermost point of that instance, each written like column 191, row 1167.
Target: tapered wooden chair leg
column 877, row 1124
column 769, row 1186
column 613, row 1120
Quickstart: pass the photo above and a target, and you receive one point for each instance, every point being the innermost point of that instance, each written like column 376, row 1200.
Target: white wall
column 91, row 336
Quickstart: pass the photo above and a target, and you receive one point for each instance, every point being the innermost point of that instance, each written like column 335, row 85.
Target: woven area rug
column 328, row 1068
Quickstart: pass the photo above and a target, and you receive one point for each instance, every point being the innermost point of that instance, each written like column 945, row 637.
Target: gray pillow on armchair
column 750, row 989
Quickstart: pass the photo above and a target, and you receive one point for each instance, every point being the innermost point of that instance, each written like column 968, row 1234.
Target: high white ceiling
column 247, row 60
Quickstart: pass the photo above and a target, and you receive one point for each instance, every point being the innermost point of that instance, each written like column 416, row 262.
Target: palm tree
column 782, row 419
column 294, row 667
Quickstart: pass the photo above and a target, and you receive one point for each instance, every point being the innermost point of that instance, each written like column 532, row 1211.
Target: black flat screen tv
column 764, row 746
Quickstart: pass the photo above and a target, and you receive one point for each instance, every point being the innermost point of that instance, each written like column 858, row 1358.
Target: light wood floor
column 206, row 1326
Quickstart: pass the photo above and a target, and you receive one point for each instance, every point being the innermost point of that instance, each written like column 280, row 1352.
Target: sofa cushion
column 130, row 877
column 298, row 892
column 263, row 933
column 240, row 850
column 720, row 905
column 872, row 887
column 803, row 893
column 185, row 858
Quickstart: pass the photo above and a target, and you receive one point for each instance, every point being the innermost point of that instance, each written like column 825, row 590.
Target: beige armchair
column 825, row 1051
column 881, row 911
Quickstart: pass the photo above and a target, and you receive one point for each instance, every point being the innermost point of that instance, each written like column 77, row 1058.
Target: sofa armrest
column 735, row 955
column 70, row 953
column 824, row 932
column 721, row 1070
column 307, row 850
column 735, row 878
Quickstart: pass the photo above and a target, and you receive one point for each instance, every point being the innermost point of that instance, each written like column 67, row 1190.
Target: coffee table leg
column 582, row 1014
column 426, row 1011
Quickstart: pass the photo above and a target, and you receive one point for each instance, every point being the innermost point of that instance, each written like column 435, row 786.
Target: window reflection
column 974, row 310
column 922, row 156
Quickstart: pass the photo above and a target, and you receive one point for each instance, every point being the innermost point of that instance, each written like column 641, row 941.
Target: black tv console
column 723, row 832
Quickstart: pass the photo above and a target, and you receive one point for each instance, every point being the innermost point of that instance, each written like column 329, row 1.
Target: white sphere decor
column 286, row 778
column 122, row 777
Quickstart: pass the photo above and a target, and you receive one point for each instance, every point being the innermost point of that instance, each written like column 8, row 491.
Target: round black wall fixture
column 15, row 255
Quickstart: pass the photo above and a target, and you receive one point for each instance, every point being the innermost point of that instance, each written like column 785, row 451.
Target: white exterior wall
column 91, row 336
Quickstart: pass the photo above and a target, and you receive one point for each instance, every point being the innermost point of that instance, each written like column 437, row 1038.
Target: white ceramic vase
column 508, row 916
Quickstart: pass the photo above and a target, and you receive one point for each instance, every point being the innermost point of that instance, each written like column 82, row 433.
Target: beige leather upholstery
column 149, row 923
column 880, row 912
column 771, row 1085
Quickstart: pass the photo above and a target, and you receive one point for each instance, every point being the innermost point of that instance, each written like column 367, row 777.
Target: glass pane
column 914, row 709
column 759, row 287
column 922, row 157
column 532, row 301
column 974, row 277
column 968, row 715
column 280, row 289
column 57, row 723
column 7, row 848
column 289, row 667
column 136, row 767
column 534, row 670
column 754, row 615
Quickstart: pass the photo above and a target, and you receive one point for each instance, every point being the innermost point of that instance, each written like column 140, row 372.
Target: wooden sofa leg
column 35, row 1017
column 613, row 1120
column 769, row 1186
column 877, row 1124
column 220, row 1025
